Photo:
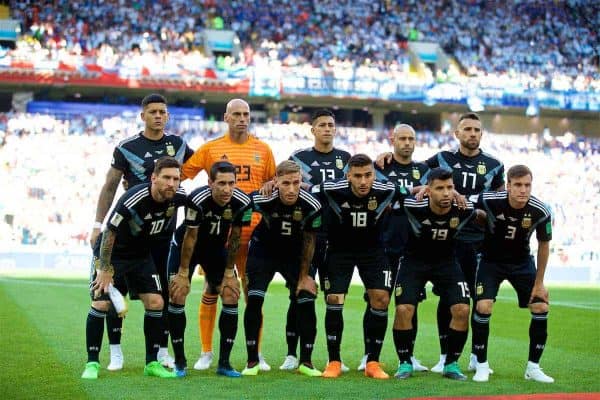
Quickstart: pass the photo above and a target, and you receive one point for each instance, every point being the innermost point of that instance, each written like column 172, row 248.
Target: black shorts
column 467, row 255
column 138, row 274
column 491, row 274
column 395, row 260
column 262, row 266
column 212, row 259
column 373, row 269
column 446, row 277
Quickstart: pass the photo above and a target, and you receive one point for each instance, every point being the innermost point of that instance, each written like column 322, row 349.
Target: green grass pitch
column 42, row 343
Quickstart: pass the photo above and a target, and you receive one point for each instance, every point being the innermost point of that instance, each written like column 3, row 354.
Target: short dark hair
column 153, row 98
column 439, row 173
column 518, row 171
column 359, row 160
column 323, row 112
column 223, row 167
column 469, row 115
column 165, row 162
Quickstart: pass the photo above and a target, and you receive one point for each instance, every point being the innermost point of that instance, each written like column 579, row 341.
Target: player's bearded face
column 519, row 190
column 361, row 179
column 222, row 187
column 441, row 193
column 289, row 187
column 404, row 143
column 155, row 116
column 166, row 183
column 468, row 133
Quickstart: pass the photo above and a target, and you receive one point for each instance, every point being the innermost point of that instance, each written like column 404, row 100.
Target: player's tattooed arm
column 107, row 195
column 106, row 248
column 305, row 281
column 179, row 287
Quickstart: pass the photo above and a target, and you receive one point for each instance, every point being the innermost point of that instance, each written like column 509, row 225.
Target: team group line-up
column 452, row 220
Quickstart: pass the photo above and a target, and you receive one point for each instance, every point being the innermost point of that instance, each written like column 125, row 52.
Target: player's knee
column 153, row 302
column 101, row 305
column 460, row 312
column 379, row 300
column 485, row 306
column 335, row 299
column 539, row 307
column 404, row 313
column 229, row 296
column 178, row 300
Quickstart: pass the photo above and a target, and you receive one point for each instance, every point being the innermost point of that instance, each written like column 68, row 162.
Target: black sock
column 334, row 326
column 94, row 330
column 413, row 331
column 177, row 323
column 377, row 325
column 114, row 327
column 538, row 333
column 228, row 321
column 444, row 316
column 307, row 325
column 252, row 322
column 291, row 330
column 164, row 338
column 456, row 343
column 481, row 332
column 153, row 324
column 402, row 343
column 365, row 323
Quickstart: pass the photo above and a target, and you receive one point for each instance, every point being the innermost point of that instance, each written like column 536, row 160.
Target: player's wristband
column 97, row 225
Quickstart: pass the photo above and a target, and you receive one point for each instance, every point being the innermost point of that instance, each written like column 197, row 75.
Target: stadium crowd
column 56, row 168
column 551, row 45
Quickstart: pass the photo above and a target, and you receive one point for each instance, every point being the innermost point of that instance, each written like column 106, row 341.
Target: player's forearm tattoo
column 107, row 194
column 234, row 246
column 106, row 248
column 308, row 251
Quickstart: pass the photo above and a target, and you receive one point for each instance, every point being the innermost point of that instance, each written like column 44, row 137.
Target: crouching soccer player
column 124, row 252
column 284, row 242
column 512, row 217
column 210, row 213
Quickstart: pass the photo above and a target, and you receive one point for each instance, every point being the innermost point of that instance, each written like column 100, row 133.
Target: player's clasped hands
column 101, row 283
column 230, row 286
column 179, row 286
column 308, row 284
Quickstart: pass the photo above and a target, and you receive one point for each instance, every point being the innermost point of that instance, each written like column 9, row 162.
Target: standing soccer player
column 215, row 215
column 322, row 162
column 357, row 204
column 404, row 172
column 284, row 242
column 255, row 165
column 133, row 160
column 124, row 254
column 512, row 217
column 429, row 256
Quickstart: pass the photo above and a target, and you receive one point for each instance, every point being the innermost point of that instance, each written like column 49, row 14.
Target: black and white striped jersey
column 356, row 222
column 137, row 219
column 508, row 230
column 281, row 227
column 431, row 236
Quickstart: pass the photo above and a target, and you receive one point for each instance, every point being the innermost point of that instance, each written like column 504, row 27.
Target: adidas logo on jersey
column 148, row 216
column 392, row 174
column 345, row 205
column 427, row 222
column 500, row 217
column 314, row 164
column 457, row 165
column 147, row 155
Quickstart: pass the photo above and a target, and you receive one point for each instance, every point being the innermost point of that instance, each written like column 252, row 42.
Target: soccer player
column 512, row 217
column 284, row 242
column 354, row 238
column 124, row 253
column 404, row 172
column 429, row 256
column 255, row 165
column 133, row 160
column 215, row 215
column 322, row 162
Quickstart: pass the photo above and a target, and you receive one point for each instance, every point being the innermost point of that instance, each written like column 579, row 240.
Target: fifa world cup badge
column 297, row 215
column 372, row 204
column 170, row 149
column 481, row 170
column 227, row 214
column 339, row 163
column 454, row 222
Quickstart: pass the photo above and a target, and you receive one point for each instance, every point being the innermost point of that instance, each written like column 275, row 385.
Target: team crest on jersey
column 227, row 214
column 481, row 169
column 398, row 291
column 297, row 215
column 416, row 174
column 372, row 204
column 170, row 211
column 454, row 222
column 339, row 163
column 170, row 149
column 526, row 221
column 479, row 289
